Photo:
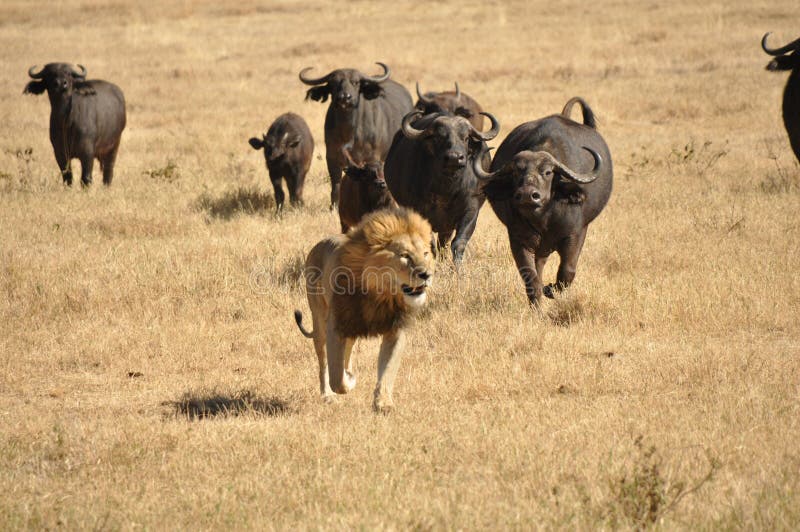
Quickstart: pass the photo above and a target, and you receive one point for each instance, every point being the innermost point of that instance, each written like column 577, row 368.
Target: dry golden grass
column 152, row 375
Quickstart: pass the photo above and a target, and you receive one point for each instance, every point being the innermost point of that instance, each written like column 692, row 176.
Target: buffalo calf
column 86, row 118
column 363, row 190
column 288, row 147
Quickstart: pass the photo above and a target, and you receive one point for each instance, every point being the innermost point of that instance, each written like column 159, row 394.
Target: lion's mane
column 362, row 311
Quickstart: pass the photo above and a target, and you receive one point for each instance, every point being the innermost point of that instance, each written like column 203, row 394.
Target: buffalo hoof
column 549, row 292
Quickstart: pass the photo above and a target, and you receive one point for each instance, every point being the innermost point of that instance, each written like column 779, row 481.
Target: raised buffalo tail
column 298, row 317
column 588, row 114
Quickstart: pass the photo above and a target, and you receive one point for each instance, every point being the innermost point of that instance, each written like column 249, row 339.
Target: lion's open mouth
column 413, row 291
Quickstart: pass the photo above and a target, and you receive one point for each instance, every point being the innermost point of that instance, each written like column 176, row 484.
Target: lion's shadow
column 241, row 200
column 194, row 406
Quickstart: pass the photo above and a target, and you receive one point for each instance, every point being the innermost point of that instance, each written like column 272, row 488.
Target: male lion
column 365, row 283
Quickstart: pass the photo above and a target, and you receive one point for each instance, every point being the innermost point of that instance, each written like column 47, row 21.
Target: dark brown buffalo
column 455, row 103
column 86, row 118
column 288, row 147
column 430, row 169
column 362, row 191
column 788, row 58
column 364, row 113
column 549, row 180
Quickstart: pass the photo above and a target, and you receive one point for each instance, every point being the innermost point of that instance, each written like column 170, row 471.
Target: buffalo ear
column 371, row 90
column 499, row 188
column 783, row 62
column 256, row 143
column 81, row 87
column 318, row 94
column 35, row 87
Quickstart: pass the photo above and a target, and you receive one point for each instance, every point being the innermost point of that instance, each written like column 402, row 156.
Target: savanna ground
column 152, row 375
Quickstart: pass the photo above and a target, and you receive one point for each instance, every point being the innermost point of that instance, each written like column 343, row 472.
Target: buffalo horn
column 492, row 133
column 422, row 98
column 458, row 91
column 81, row 74
column 378, row 79
column 578, row 178
column 477, row 167
column 313, row 81
column 408, row 130
column 35, row 75
column 794, row 45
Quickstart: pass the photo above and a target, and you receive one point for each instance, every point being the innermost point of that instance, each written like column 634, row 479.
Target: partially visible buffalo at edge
column 788, row 58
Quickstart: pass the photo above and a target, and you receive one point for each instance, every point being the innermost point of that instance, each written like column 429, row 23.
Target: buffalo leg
column 339, row 348
column 107, row 164
column 569, row 250
column 463, row 234
column 280, row 197
column 443, row 238
column 87, row 165
column 388, row 363
column 64, row 164
column 335, row 171
column 524, row 260
column 295, row 186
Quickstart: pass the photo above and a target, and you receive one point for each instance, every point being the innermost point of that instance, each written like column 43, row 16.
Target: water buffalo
column 86, row 118
column 363, row 190
column 288, row 147
column 365, row 112
column 788, row 58
column 455, row 103
column 549, row 179
column 430, row 169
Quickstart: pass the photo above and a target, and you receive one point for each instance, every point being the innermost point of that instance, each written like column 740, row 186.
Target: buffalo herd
column 548, row 180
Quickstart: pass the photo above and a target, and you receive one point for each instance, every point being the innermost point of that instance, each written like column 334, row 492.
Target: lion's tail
column 298, row 317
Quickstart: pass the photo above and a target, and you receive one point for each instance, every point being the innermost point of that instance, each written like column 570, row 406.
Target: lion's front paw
column 349, row 380
column 383, row 405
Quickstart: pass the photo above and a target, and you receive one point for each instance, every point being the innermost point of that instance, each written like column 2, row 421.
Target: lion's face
column 399, row 264
column 413, row 265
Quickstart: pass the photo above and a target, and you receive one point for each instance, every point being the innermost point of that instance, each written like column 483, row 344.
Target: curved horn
column 568, row 172
column 477, row 167
column 794, row 45
column 458, row 91
column 35, row 75
column 313, row 81
column 378, row 79
column 492, row 133
column 82, row 73
column 423, row 99
column 408, row 130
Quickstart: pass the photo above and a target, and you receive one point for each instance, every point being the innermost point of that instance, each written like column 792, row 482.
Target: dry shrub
column 642, row 493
